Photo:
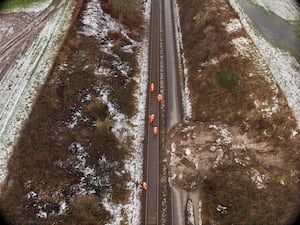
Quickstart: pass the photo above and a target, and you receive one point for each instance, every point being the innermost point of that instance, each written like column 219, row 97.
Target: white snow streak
column 63, row 208
column 200, row 213
column 233, row 26
column 190, row 212
column 94, row 18
column 258, row 179
column 187, row 106
column 242, row 44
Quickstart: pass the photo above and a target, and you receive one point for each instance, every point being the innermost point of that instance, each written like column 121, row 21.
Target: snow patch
column 222, row 209
column 187, row 106
column 267, row 108
column 187, row 151
column 287, row 9
column 258, row 179
column 211, row 61
column 63, row 208
column 200, row 213
column 242, row 45
column 94, row 20
column 190, row 212
column 41, row 214
column 233, row 26
column 294, row 133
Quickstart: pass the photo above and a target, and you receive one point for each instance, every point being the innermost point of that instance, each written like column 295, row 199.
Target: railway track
column 161, row 31
column 152, row 173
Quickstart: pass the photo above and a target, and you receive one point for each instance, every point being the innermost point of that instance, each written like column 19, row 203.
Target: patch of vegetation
column 12, row 4
column 128, row 13
column 205, row 38
column 226, row 79
column 86, row 210
column 231, row 187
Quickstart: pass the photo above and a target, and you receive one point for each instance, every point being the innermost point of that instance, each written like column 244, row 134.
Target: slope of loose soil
column 256, row 179
column 67, row 159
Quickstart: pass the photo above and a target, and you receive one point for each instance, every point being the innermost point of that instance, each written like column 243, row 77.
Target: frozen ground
column 19, row 86
column 286, row 9
column 284, row 67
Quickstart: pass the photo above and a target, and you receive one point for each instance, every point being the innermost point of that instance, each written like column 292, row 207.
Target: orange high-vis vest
column 151, row 118
column 152, row 87
column 159, row 97
column 145, row 186
column 155, row 130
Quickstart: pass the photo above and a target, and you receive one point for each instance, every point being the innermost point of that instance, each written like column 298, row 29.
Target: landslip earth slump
column 239, row 151
column 68, row 166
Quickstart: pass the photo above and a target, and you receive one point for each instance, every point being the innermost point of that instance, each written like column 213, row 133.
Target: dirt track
column 12, row 44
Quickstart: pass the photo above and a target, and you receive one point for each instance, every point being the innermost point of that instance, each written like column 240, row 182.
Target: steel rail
column 152, row 172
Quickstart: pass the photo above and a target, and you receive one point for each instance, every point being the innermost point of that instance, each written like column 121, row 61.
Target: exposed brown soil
column 257, row 172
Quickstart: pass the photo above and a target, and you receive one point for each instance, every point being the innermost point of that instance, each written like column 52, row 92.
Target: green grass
column 227, row 79
column 12, row 4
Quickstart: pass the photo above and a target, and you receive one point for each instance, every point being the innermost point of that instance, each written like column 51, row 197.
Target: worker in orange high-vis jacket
column 151, row 118
column 152, row 87
column 145, row 186
column 159, row 97
column 155, row 130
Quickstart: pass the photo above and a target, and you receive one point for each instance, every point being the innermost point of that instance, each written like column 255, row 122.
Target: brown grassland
column 45, row 158
column 225, row 93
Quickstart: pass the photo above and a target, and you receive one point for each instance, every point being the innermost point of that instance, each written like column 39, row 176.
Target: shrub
column 226, row 79
column 87, row 210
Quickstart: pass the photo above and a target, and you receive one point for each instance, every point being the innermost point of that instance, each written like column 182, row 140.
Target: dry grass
column 42, row 160
column 128, row 13
column 231, row 187
column 204, row 39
